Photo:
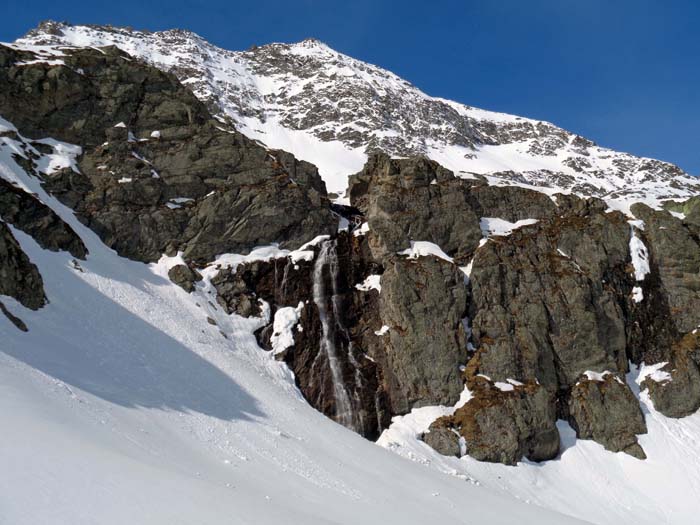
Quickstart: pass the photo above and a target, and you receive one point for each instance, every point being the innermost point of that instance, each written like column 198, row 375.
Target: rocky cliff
column 421, row 285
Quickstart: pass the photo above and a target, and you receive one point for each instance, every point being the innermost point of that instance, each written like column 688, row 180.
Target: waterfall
column 328, row 257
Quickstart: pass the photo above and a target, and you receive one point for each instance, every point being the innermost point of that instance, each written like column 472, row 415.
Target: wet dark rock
column 607, row 412
column 352, row 316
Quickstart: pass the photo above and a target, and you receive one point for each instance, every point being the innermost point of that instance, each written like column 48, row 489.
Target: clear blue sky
column 625, row 73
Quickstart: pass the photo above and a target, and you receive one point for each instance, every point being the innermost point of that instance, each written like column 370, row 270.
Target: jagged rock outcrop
column 690, row 210
column 511, row 203
column 423, row 302
column 184, row 276
column 25, row 212
column 396, row 349
column 19, row 277
column 157, row 174
column 545, row 305
column 676, row 253
column 677, row 392
column 443, row 438
column 323, row 95
column 414, row 200
column 504, row 422
column 543, row 326
column 604, row 409
column 91, row 90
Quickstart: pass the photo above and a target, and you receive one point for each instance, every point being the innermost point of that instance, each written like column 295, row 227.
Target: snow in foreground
column 586, row 480
column 124, row 405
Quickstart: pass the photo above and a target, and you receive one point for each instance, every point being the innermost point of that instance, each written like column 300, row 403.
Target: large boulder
column 603, row 408
column 675, row 392
column 504, row 422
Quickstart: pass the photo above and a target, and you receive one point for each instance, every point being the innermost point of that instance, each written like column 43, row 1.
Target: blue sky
column 625, row 73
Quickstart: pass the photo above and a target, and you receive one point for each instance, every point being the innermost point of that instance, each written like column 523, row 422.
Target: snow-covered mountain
column 135, row 392
column 331, row 109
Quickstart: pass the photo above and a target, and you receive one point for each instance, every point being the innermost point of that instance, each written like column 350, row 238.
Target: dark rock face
column 443, row 438
column 607, row 412
column 545, row 306
column 690, row 208
column 184, row 277
column 170, row 179
column 679, row 395
column 27, row 213
column 414, row 199
column 414, row 361
column 19, row 278
column 334, row 323
column 95, row 90
column 675, row 250
column 423, row 302
column 503, row 426
column 511, row 203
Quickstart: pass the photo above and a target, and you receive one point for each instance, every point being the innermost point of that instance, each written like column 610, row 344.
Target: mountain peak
column 333, row 110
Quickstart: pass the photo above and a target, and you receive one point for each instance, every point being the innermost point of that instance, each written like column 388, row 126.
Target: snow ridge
column 331, row 109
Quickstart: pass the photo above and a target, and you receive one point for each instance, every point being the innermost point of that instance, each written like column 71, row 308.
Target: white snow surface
column 640, row 256
column 585, row 480
column 424, row 249
column 122, row 404
column 653, row 372
column 372, row 282
column 495, row 226
column 286, row 319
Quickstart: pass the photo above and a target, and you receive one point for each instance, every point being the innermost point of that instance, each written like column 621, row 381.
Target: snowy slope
column 122, row 404
column 586, row 480
column 330, row 109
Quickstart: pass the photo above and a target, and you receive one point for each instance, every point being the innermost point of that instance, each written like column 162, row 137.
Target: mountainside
column 330, row 109
column 178, row 297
